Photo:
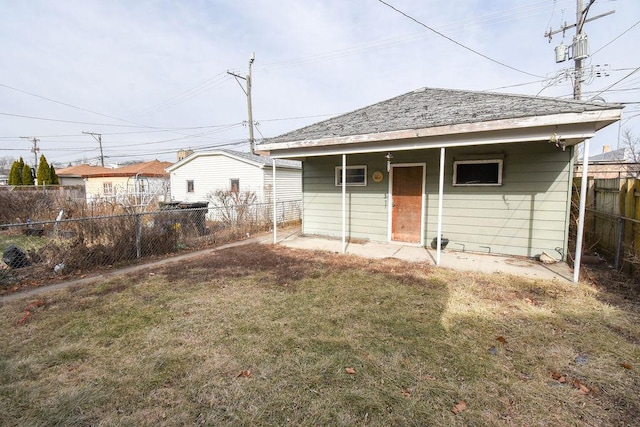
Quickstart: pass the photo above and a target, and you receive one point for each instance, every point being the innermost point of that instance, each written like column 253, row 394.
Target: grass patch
column 260, row 335
column 26, row 243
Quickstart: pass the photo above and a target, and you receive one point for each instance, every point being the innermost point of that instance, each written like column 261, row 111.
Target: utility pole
column 577, row 62
column 35, row 150
column 97, row 137
column 247, row 92
column 580, row 47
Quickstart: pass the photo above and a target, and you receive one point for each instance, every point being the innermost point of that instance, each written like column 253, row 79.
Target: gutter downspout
column 275, row 204
column 344, row 203
column 440, row 199
column 583, row 203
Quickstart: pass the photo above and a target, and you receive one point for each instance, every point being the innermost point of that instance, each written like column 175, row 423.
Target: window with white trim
column 107, row 188
column 190, row 186
column 356, row 175
column 477, row 172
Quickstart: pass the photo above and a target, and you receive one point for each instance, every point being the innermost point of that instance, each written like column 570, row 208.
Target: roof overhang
column 564, row 129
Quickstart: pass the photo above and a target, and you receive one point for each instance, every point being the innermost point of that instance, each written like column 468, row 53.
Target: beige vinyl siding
column 366, row 205
column 524, row 216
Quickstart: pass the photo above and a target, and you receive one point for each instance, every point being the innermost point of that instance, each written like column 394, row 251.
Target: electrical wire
column 612, row 85
column 617, row 37
column 67, row 104
column 457, row 43
column 71, row 121
column 487, row 19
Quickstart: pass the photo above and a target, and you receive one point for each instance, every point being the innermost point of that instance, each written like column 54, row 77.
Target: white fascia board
column 209, row 154
column 568, row 134
column 598, row 119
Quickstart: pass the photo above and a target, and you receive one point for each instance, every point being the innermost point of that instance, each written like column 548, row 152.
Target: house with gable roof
column 196, row 177
column 142, row 181
column 611, row 164
column 490, row 172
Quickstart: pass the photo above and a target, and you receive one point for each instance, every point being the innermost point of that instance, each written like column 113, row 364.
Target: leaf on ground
column 244, row 374
column 34, row 304
column 531, row 301
column 583, row 388
column 558, row 377
column 501, row 339
column 406, row 392
column 459, row 407
column 428, row 377
column 626, row 365
column 350, row 371
column 24, row 318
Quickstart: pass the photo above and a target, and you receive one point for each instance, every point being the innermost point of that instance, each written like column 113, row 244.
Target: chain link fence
column 39, row 251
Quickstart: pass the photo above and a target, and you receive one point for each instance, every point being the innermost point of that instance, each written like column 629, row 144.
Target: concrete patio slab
column 456, row 260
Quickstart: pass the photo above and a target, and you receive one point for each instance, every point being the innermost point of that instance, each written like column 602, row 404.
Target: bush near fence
column 612, row 221
column 78, row 245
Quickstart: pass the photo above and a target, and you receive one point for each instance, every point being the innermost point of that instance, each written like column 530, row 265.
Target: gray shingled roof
column 615, row 156
column 265, row 160
column 427, row 107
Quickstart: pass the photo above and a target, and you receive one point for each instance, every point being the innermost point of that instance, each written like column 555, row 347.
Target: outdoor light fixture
column 389, row 156
column 556, row 139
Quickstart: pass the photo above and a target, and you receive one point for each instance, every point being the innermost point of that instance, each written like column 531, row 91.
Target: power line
column 612, row 85
column 71, row 121
column 66, row 104
column 457, row 43
column 491, row 18
column 616, row 38
column 189, row 93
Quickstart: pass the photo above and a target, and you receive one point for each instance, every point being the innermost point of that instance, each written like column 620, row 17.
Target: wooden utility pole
column 247, row 92
column 98, row 137
column 577, row 63
column 580, row 50
column 35, row 150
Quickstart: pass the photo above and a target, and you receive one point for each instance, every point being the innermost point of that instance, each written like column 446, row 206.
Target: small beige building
column 138, row 183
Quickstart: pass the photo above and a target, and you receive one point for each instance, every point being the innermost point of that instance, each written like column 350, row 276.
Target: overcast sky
column 151, row 76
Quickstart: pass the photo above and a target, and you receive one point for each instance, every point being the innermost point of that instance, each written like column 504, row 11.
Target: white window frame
column 107, row 187
column 191, row 186
column 338, row 176
column 479, row 184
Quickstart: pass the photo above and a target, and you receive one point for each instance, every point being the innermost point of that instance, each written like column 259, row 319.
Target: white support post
column 440, row 201
column 344, row 203
column 583, row 205
column 275, row 205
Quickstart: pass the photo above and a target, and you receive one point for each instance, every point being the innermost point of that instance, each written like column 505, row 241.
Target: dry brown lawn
column 262, row 335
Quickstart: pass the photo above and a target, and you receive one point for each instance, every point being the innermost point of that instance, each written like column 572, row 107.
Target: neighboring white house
column 196, row 177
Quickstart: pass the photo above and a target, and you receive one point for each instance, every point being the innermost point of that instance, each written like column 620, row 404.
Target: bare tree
column 631, row 143
column 5, row 163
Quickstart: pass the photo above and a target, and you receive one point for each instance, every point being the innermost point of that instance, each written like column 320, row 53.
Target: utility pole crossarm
column 565, row 27
column 97, row 137
column 34, row 150
column 247, row 92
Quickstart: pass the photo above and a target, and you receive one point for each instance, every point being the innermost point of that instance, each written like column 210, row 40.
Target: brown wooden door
column 406, row 212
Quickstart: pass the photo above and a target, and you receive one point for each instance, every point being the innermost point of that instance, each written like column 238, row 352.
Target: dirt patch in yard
column 287, row 266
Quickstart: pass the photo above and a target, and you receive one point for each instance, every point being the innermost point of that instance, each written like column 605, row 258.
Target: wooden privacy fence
column 612, row 221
